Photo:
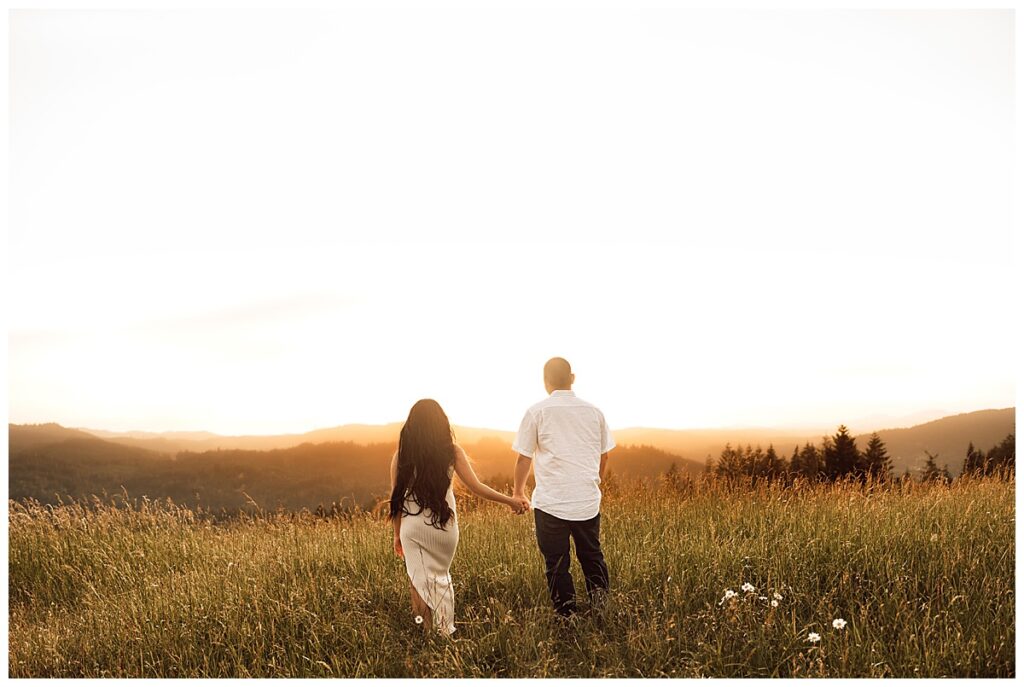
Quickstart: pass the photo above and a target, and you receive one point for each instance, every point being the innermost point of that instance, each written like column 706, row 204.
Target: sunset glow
column 333, row 215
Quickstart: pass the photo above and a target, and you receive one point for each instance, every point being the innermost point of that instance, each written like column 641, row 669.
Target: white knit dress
column 428, row 558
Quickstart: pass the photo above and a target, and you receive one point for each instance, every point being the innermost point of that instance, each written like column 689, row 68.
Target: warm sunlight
column 332, row 215
column 542, row 340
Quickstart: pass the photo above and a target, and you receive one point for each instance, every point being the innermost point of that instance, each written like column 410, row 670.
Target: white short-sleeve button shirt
column 565, row 436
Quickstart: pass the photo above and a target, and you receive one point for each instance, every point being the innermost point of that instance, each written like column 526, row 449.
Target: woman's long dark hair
column 426, row 456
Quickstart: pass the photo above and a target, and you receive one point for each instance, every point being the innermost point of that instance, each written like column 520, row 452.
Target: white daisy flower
column 813, row 638
column 729, row 593
column 839, row 623
column 775, row 603
column 777, row 596
column 419, row 620
column 747, row 587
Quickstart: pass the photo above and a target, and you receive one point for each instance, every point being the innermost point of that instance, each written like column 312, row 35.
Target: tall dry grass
column 923, row 575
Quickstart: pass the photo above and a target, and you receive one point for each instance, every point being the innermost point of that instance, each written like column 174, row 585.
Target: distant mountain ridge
column 350, row 461
column 26, row 436
column 908, row 444
column 948, row 437
column 172, row 442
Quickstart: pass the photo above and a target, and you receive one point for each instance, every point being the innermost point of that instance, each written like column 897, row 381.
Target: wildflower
column 419, row 620
column 762, row 598
column 777, row 596
column 669, row 579
column 839, row 623
column 813, row 638
column 775, row 603
column 747, row 587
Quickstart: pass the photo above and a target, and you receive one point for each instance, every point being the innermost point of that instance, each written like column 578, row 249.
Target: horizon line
column 779, row 428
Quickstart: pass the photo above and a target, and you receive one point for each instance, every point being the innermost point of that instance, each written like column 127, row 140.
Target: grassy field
column 922, row 575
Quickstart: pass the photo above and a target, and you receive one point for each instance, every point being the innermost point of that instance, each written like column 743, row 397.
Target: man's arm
column 525, row 445
column 523, row 465
column 604, row 462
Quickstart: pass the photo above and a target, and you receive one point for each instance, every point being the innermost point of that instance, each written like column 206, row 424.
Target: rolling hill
column 27, row 436
column 172, row 442
column 303, row 476
column 948, row 437
column 349, row 462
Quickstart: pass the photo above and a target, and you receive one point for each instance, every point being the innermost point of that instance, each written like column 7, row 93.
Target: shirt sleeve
column 525, row 443
column 607, row 442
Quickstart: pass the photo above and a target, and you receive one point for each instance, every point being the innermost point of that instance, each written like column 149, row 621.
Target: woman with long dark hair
column 423, row 509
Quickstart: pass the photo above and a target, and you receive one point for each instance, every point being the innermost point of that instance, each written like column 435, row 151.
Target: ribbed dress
column 428, row 558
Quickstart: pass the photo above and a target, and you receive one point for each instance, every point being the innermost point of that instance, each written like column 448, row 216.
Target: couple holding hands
column 564, row 439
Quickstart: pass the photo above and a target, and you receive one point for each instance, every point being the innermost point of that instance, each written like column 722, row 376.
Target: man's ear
column 572, row 379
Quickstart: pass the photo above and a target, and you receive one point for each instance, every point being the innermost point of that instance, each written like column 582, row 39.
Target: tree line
column 839, row 458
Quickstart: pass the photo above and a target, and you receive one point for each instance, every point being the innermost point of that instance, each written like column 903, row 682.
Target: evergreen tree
column 841, row 455
column 875, row 460
column 758, row 463
column 974, row 461
column 776, row 466
column 747, row 461
column 808, row 462
column 932, row 472
column 999, row 459
column 1003, row 456
column 730, row 462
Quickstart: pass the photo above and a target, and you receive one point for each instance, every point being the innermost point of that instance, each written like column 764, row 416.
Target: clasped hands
column 520, row 504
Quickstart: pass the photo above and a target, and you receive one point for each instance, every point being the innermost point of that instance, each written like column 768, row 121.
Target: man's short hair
column 557, row 372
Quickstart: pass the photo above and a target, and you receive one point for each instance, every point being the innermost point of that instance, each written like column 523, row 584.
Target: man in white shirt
column 566, row 441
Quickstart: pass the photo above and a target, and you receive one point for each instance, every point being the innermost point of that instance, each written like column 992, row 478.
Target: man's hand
column 398, row 547
column 519, row 505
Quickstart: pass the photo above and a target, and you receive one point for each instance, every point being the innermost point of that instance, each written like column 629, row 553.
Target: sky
column 273, row 221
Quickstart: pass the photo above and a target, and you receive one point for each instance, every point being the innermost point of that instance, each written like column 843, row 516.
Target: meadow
column 922, row 575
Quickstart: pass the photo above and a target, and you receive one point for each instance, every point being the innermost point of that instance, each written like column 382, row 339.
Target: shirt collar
column 563, row 392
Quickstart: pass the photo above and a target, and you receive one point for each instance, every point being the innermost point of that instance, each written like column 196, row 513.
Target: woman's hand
column 465, row 471
column 398, row 547
column 519, row 505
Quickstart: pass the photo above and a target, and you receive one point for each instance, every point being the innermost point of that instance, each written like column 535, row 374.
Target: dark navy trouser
column 553, row 538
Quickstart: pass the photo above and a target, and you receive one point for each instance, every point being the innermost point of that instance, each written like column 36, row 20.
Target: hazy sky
column 269, row 221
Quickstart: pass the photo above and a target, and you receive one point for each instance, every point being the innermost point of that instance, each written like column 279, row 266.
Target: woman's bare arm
column 468, row 477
